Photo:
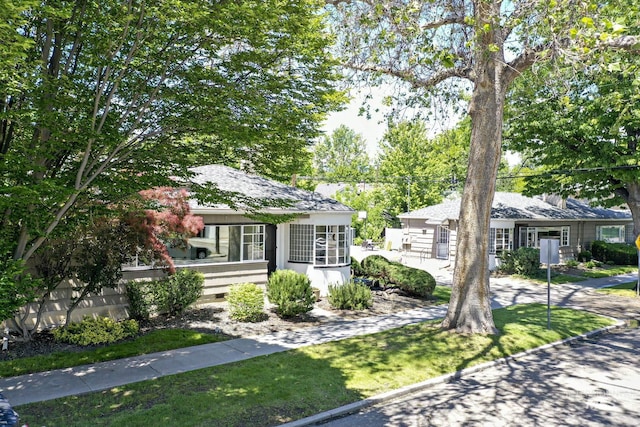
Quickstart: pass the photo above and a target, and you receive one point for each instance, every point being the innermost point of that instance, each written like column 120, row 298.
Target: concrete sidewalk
column 100, row 376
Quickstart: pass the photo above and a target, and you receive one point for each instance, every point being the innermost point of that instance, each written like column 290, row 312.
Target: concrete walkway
column 100, row 376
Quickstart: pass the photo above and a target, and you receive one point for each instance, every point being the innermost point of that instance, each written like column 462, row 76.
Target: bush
column 246, row 302
column 177, row 292
column 140, row 299
column 350, row 296
column 524, row 261
column 101, row 330
column 291, row 292
column 413, row 281
column 616, row 253
column 356, row 268
column 584, row 256
column 572, row 263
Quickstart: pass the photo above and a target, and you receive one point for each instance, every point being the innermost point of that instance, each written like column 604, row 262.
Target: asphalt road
column 593, row 382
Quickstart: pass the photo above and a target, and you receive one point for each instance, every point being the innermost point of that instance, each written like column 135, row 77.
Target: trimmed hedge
column 616, row 253
column 411, row 280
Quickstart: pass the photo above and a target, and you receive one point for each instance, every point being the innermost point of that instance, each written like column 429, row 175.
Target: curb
column 413, row 388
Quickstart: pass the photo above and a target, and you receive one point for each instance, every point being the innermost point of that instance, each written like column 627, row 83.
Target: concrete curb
column 414, row 388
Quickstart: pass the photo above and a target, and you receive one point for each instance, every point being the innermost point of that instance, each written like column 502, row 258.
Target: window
column 319, row 244
column 611, row 233
column 530, row 236
column 222, row 243
column 500, row 239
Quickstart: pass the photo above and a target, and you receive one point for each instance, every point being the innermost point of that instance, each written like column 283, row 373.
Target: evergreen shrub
column 350, row 296
column 411, row 280
column 246, row 302
column 177, row 292
column 616, row 253
column 291, row 292
column 523, row 261
column 99, row 330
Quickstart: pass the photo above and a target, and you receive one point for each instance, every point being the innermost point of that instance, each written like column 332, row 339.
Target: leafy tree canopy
column 341, row 156
column 111, row 97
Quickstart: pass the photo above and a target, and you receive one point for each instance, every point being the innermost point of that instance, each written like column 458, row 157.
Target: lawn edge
column 423, row 385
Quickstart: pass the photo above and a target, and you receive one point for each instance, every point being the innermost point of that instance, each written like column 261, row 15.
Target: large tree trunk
column 470, row 305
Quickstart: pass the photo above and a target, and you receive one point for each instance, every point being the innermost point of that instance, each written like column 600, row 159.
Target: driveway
column 595, row 382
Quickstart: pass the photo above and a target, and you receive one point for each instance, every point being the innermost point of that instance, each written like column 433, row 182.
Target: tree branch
column 411, row 78
column 629, row 43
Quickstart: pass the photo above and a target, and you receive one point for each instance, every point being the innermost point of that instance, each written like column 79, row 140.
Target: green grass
column 623, row 290
column 277, row 388
column 556, row 278
column 608, row 271
column 441, row 294
column 160, row 340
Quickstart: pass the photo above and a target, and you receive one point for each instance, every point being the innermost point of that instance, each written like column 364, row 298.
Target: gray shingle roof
column 256, row 187
column 516, row 206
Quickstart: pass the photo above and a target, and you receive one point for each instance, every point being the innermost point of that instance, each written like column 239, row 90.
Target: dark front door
column 270, row 247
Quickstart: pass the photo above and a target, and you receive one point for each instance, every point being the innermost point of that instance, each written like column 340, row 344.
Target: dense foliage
column 350, row 296
column 291, row 292
column 413, row 281
column 524, row 261
column 94, row 331
column 614, row 253
column 246, row 302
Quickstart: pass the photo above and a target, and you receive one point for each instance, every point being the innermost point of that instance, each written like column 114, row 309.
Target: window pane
column 301, row 243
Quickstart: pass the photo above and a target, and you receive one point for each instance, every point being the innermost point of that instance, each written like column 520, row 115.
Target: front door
column 270, row 247
column 442, row 242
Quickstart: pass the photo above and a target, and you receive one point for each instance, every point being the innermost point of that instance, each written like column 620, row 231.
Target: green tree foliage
column 341, row 156
column 420, row 170
column 113, row 97
column 369, row 198
column 582, row 133
column 441, row 49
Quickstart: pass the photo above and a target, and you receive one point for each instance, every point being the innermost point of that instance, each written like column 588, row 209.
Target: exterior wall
column 109, row 303
column 321, row 276
column 113, row 302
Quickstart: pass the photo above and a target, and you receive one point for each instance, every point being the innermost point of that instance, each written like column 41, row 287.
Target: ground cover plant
column 277, row 388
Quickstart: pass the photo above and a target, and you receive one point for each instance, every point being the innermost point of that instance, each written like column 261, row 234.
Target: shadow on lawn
column 264, row 391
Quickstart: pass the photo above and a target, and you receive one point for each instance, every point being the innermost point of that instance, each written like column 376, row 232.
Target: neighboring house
column 234, row 248
column 516, row 221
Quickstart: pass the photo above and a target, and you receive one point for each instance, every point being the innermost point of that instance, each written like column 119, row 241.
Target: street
column 593, row 382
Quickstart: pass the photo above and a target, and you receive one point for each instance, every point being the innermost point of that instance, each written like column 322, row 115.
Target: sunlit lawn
column 609, row 271
column 273, row 389
column 160, row 340
column 623, row 290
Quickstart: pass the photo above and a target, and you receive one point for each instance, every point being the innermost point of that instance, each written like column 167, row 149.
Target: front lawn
column 281, row 387
column 160, row 340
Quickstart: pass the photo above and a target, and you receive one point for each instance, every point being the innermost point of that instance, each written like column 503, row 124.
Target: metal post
column 549, row 286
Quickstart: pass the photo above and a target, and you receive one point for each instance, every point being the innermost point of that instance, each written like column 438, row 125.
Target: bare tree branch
column 410, row 77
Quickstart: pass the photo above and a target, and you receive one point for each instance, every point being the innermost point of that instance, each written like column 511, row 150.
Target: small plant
column 572, row 263
column 101, row 330
column 593, row 264
column 350, row 296
column 246, row 302
column 291, row 292
column 174, row 294
column 584, row 256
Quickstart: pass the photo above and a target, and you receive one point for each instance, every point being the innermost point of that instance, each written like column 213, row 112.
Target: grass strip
column 610, row 271
column 159, row 340
column 623, row 290
column 281, row 387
